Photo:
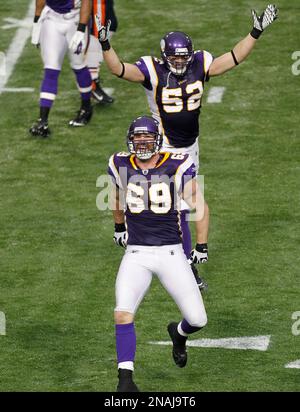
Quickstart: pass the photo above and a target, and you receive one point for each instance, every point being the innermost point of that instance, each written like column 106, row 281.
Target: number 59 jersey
column 151, row 197
column 175, row 101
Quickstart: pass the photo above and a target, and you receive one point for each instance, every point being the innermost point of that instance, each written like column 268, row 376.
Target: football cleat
column 82, row 118
column 179, row 348
column 200, row 282
column 40, row 129
column 126, row 383
column 99, row 94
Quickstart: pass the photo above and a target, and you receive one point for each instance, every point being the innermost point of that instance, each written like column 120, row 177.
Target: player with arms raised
column 152, row 183
column 174, row 87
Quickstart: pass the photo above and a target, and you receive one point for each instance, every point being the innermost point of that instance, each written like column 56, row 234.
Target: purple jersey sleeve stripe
column 141, row 65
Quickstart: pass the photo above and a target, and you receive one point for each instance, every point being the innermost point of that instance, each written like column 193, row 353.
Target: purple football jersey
column 152, row 207
column 176, row 101
column 63, row 6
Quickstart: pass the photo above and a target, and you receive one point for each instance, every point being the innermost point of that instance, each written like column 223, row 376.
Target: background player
column 174, row 86
column 61, row 26
column 104, row 9
column 146, row 177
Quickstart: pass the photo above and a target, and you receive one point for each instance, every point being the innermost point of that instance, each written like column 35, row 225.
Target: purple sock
column 125, row 342
column 84, row 82
column 49, row 87
column 186, row 234
column 187, row 328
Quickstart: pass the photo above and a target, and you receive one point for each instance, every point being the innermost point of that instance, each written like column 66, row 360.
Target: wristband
column 120, row 227
column 81, row 27
column 36, row 19
column 105, row 45
column 123, row 70
column 201, row 247
column 234, row 58
column 255, row 33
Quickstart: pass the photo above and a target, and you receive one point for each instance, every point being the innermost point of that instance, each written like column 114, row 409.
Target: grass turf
column 57, row 260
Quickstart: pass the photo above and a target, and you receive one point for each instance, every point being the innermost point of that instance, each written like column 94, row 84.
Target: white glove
column 266, row 18
column 78, row 43
column 35, row 34
column 199, row 254
column 120, row 238
column 103, row 31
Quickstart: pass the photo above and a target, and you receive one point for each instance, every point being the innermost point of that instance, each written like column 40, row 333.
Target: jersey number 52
column 172, row 98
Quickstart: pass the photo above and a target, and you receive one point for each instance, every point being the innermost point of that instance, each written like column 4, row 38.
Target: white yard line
column 215, row 94
column 109, row 90
column 17, row 89
column 2, row 323
column 260, row 343
column 293, row 365
column 16, row 47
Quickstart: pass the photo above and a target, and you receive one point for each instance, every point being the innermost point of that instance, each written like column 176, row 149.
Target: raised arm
column 244, row 47
column 125, row 71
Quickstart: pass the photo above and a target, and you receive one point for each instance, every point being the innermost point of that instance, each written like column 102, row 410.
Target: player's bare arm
column 125, row 71
column 244, row 47
column 120, row 235
column 116, row 206
column 39, row 5
column 85, row 11
column 193, row 197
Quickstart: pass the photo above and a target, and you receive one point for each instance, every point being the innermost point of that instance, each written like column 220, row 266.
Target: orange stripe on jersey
column 103, row 11
column 99, row 8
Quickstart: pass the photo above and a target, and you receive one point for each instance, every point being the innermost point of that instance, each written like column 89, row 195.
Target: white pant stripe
column 84, row 89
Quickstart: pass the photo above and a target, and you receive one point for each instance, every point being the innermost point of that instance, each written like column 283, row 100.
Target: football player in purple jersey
column 174, row 86
column 60, row 26
column 148, row 223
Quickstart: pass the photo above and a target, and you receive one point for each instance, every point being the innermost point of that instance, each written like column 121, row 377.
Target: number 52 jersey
column 150, row 197
column 175, row 101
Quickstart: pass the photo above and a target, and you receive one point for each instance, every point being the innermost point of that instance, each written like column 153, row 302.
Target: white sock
column 126, row 365
column 180, row 331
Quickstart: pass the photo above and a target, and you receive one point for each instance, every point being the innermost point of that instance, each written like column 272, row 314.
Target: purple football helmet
column 177, row 51
column 151, row 143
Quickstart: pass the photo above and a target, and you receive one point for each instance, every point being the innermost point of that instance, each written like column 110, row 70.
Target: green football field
column 58, row 262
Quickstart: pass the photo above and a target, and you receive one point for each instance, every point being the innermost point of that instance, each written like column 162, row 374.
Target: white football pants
column 56, row 33
column 170, row 265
